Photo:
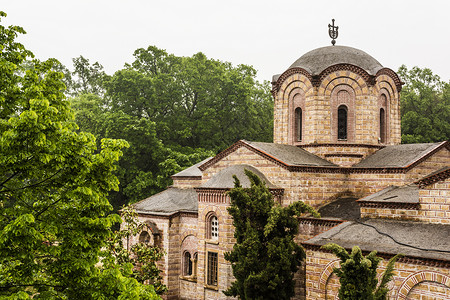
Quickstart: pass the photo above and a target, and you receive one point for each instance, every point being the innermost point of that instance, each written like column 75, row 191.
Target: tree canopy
column 54, row 183
column 265, row 256
column 173, row 111
column 425, row 106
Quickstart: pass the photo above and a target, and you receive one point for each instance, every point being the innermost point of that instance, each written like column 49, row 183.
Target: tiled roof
column 290, row 155
column 395, row 194
column 413, row 239
column 342, row 208
column 192, row 171
column 168, row 202
column 224, row 178
column 398, row 156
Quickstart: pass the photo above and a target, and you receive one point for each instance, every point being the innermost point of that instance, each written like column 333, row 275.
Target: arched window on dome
column 382, row 126
column 342, row 123
column 298, row 124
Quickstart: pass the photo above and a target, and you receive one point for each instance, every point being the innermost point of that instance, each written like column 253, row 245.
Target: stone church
column 337, row 148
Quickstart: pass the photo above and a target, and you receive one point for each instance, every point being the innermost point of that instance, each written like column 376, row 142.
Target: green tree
column 141, row 256
column 358, row 274
column 265, row 256
column 147, row 164
column 195, row 101
column 425, row 106
column 86, row 78
column 54, row 183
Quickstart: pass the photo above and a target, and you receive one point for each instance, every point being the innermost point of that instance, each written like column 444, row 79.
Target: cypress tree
column 265, row 256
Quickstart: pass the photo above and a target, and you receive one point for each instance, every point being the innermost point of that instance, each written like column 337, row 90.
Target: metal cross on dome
column 333, row 32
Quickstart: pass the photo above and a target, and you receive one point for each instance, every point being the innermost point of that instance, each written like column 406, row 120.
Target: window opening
column 214, row 225
column 144, row 237
column 298, row 124
column 194, row 264
column 382, row 125
column 187, row 264
column 212, row 268
column 342, row 122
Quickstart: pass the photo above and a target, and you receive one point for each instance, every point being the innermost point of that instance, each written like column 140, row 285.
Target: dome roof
column 224, row 178
column 319, row 59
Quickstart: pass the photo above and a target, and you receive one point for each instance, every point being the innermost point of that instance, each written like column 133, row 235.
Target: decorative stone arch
column 207, row 213
column 393, row 77
column 349, row 103
column 186, row 234
column 297, row 101
column 419, row 277
column 339, row 78
column 348, row 69
column 154, row 235
column 386, row 86
column 326, row 273
column 188, row 251
column 384, row 114
column 293, row 82
column 386, row 83
column 294, row 74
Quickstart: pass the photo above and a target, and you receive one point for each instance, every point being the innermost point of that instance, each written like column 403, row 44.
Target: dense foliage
column 358, row 274
column 54, row 183
column 425, row 106
column 265, row 256
column 173, row 111
column 141, row 256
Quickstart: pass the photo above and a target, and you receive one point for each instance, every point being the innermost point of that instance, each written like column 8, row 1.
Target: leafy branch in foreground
column 139, row 259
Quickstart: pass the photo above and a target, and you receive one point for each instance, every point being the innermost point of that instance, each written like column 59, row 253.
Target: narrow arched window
column 187, row 264
column 298, row 124
column 194, row 264
column 214, row 227
column 342, row 122
column 382, row 125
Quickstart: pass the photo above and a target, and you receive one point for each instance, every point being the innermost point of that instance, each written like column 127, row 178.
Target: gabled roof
column 290, row 155
column 395, row 194
column 169, row 202
column 284, row 155
column 192, row 171
column 224, row 178
column 399, row 156
column 414, row 239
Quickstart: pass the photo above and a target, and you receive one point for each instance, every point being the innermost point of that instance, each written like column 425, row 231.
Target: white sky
column 269, row 35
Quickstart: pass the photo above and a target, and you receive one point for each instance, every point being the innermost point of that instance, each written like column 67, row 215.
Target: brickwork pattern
column 412, row 281
column 437, row 161
column 319, row 107
column 186, row 183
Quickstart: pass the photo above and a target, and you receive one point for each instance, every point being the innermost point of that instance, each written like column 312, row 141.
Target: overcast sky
column 269, row 35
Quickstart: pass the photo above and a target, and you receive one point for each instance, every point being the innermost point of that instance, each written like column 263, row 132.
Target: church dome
column 319, row 59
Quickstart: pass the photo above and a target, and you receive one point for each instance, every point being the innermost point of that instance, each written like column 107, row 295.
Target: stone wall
column 319, row 108
column 222, row 244
column 433, row 206
column 186, row 182
column 437, row 161
column 412, row 280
